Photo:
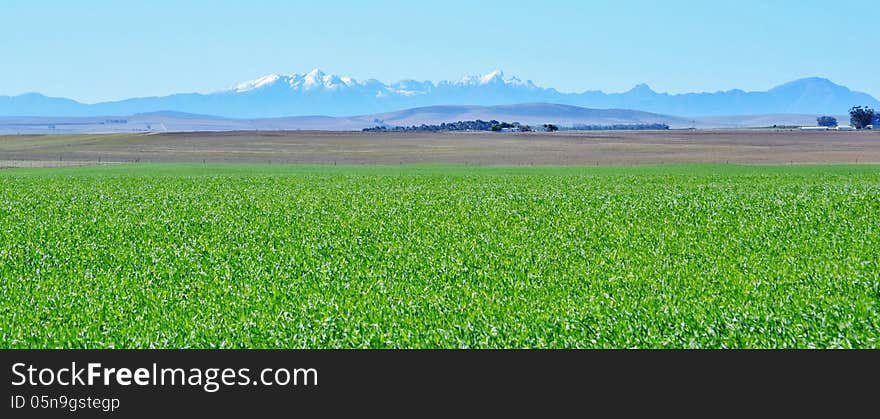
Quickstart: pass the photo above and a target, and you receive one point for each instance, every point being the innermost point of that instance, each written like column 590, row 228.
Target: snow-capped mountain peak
column 256, row 84
column 492, row 77
column 315, row 79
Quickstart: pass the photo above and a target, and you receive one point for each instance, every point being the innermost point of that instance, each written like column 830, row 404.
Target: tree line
column 617, row 127
column 478, row 125
column 860, row 117
column 496, row 126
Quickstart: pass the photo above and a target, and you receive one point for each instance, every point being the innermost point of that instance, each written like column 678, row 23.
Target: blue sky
column 94, row 50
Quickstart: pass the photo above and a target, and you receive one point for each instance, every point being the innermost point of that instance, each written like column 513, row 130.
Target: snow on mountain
column 315, row 79
column 256, row 84
column 493, row 77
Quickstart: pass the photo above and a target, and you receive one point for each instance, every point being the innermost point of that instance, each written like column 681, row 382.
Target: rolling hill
column 529, row 113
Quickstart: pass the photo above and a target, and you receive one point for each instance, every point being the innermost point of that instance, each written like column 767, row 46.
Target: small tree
column 551, row 128
column 826, row 121
column 861, row 116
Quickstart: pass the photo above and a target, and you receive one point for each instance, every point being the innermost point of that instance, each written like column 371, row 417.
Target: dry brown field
column 561, row 148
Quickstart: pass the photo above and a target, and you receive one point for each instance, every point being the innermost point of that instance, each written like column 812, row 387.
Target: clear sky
column 94, row 50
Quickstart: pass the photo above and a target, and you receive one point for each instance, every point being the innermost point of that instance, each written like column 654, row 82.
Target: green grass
column 195, row 256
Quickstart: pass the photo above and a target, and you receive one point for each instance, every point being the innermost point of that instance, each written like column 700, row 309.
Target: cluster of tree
column 617, row 127
column 862, row 116
column 826, row 121
column 493, row 125
column 512, row 126
column 478, row 125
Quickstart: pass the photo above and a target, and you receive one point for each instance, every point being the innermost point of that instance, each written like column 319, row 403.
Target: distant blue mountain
column 317, row 93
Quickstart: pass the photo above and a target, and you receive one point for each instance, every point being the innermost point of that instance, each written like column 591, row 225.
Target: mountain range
column 318, row 93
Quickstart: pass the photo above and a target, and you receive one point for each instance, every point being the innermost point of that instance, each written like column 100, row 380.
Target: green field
column 195, row 256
